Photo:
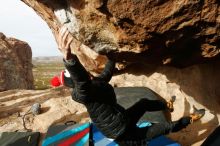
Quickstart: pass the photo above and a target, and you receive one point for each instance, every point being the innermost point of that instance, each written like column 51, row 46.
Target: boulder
column 178, row 32
column 16, row 64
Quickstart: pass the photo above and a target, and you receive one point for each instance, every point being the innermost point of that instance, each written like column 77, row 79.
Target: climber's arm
column 107, row 73
column 64, row 39
column 77, row 72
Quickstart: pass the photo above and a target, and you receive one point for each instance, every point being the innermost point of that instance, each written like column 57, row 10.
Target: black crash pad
column 19, row 138
column 127, row 96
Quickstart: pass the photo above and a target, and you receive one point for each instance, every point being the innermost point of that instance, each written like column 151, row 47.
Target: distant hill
column 47, row 59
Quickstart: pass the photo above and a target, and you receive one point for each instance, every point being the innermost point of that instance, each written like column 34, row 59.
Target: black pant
column 133, row 133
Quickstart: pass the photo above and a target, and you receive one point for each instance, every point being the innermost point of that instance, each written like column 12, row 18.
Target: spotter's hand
column 64, row 40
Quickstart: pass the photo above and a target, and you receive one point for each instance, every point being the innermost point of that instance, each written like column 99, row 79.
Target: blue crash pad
column 100, row 140
column 163, row 141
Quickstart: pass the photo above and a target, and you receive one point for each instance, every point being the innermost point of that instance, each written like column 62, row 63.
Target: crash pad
column 68, row 134
column 100, row 140
column 127, row 96
column 19, row 138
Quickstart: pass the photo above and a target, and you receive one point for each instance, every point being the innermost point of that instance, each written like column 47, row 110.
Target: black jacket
column 99, row 98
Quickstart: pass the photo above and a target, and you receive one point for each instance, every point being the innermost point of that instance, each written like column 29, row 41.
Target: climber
column 99, row 98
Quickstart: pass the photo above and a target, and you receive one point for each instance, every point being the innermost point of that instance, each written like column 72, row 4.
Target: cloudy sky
column 19, row 21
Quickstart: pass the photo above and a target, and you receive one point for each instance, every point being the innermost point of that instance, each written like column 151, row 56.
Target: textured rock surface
column 55, row 103
column 174, row 32
column 196, row 85
column 56, row 107
column 15, row 64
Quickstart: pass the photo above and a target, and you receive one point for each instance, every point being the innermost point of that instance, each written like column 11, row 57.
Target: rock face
column 15, row 64
column 177, row 32
column 55, row 103
column 196, row 85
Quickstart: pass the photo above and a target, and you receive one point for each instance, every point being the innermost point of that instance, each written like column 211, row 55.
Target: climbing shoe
column 197, row 114
column 170, row 103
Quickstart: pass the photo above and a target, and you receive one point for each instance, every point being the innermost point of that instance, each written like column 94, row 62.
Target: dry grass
column 43, row 73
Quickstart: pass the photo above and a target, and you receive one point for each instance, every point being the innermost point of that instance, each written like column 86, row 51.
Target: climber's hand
column 64, row 40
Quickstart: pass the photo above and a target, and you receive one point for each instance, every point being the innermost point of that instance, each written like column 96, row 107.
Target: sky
column 20, row 21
